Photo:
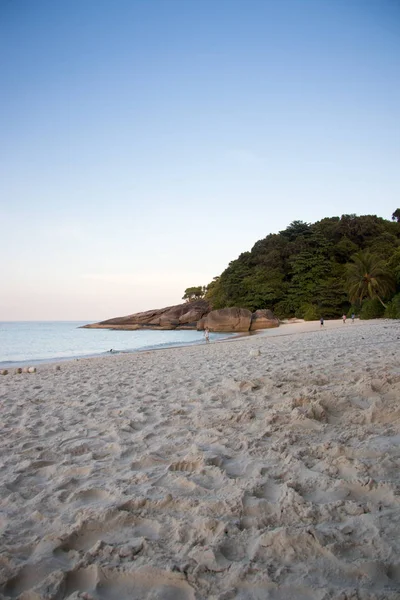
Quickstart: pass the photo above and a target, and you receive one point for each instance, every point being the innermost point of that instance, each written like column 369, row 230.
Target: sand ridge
column 264, row 468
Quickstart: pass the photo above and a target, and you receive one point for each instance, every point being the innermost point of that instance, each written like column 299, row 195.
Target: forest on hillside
column 337, row 265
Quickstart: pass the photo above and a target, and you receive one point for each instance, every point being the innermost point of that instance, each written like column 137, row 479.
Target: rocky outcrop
column 193, row 315
column 227, row 319
column 263, row 319
column 181, row 316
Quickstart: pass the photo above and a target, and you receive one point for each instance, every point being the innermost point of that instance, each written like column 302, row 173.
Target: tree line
column 337, row 265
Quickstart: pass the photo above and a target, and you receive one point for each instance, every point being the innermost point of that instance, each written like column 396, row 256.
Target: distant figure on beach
column 207, row 335
column 344, row 319
column 321, row 321
column 352, row 317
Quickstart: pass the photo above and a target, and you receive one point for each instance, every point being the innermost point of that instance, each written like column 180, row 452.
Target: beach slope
column 264, row 467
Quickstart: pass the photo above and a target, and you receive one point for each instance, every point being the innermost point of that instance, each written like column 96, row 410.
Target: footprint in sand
column 82, row 580
column 77, row 471
column 147, row 462
column 27, row 486
column 89, row 496
column 27, row 578
column 40, row 464
column 117, row 530
column 144, row 583
column 233, row 550
column 270, row 491
column 183, row 465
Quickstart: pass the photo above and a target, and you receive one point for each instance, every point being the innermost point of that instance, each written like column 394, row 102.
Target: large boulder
column 184, row 315
column 263, row 319
column 227, row 320
column 194, row 312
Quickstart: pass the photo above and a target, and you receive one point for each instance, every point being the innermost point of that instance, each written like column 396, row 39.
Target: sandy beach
column 267, row 467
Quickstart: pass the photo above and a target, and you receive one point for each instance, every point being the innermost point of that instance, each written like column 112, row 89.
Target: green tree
column 372, row 309
column 231, row 280
column 332, row 295
column 215, row 294
column 304, row 266
column 344, row 249
column 361, row 230
column 396, row 215
column 394, row 265
column 194, row 293
column 368, row 277
column 383, row 245
column 309, row 268
column 393, row 309
column 296, row 229
column 263, row 288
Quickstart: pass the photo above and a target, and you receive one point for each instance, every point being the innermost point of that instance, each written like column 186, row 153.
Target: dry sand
column 262, row 468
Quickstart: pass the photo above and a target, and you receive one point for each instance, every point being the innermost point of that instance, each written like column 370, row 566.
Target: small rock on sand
column 255, row 352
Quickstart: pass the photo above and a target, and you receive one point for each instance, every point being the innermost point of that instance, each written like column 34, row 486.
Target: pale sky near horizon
column 146, row 144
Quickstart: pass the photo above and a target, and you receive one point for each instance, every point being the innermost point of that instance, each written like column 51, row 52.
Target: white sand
column 208, row 472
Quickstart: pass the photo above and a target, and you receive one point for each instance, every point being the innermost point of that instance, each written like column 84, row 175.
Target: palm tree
column 368, row 277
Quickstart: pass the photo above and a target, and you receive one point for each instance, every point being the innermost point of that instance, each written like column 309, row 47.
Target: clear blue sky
column 147, row 143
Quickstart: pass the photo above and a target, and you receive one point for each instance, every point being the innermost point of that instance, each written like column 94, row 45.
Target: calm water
column 32, row 341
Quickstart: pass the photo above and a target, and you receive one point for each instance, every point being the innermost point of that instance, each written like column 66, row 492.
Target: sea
column 33, row 342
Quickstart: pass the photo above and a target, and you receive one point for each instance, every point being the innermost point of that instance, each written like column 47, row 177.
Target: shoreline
column 296, row 327
column 62, row 359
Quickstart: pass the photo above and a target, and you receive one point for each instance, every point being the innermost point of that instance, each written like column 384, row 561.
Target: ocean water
column 36, row 341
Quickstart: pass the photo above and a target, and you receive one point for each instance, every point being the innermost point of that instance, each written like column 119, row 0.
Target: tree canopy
column 303, row 270
column 396, row 215
column 194, row 293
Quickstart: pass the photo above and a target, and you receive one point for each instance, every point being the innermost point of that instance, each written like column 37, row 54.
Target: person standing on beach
column 207, row 335
column 352, row 317
column 344, row 319
column 322, row 322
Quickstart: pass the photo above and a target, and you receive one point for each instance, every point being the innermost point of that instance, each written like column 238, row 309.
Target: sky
column 145, row 144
